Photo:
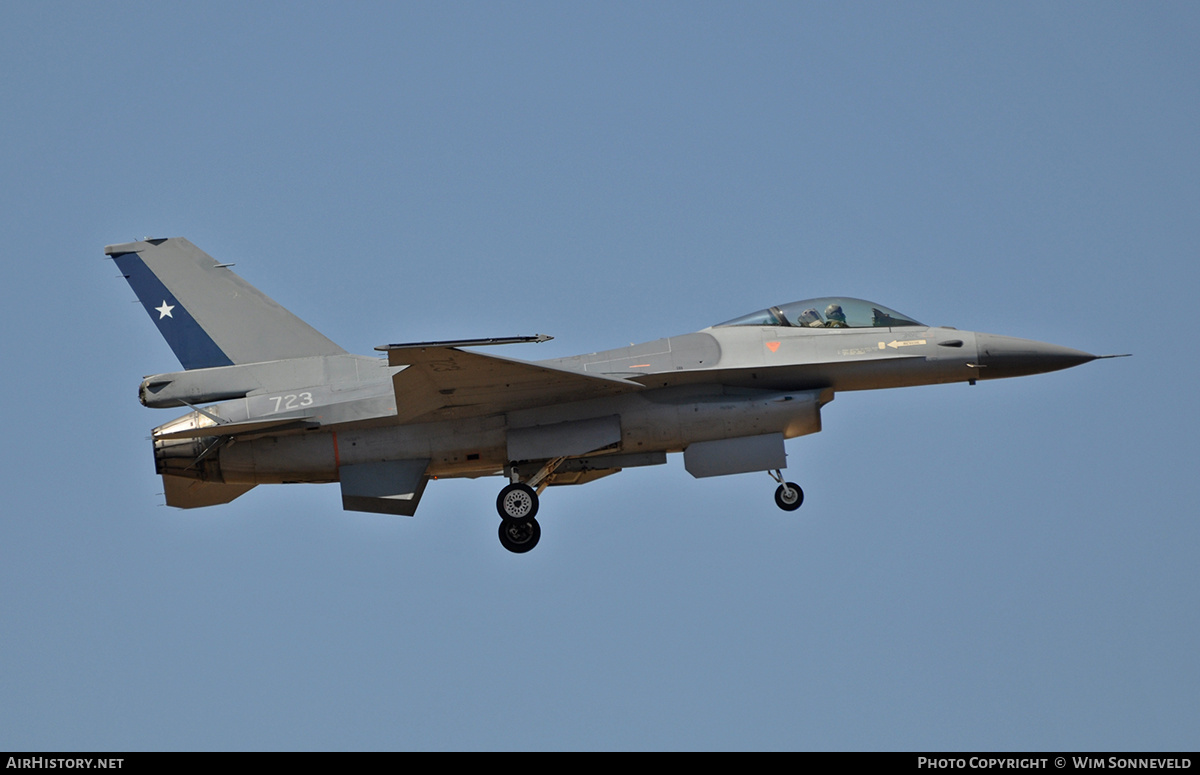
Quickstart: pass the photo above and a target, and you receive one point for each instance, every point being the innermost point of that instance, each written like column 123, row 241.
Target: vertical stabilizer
column 208, row 315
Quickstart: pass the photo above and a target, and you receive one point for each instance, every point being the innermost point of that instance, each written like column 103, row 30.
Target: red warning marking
column 772, row 346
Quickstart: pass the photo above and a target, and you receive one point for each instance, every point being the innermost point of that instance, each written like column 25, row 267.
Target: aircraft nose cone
column 1007, row 356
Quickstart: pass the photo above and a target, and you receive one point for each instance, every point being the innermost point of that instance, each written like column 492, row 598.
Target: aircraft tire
column 519, row 537
column 789, row 496
column 517, row 502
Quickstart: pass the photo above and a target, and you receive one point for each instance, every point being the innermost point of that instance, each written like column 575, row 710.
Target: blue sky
column 1006, row 566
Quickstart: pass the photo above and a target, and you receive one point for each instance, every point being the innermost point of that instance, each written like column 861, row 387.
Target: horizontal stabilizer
column 444, row 383
column 193, row 493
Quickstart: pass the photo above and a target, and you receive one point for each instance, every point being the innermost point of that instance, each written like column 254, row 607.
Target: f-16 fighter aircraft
column 274, row 401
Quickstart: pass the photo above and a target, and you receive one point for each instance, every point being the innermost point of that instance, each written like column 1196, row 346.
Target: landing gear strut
column 788, row 496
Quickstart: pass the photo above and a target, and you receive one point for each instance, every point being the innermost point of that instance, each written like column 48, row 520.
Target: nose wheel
column 788, row 495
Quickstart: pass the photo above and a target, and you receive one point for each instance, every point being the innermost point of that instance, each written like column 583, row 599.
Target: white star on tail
column 165, row 310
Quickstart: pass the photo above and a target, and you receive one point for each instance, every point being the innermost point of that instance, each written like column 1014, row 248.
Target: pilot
column 834, row 317
column 810, row 318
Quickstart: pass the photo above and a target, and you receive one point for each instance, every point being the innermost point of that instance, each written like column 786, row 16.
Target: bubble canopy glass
column 826, row 312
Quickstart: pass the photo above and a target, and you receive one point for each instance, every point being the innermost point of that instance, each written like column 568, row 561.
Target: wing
column 442, row 382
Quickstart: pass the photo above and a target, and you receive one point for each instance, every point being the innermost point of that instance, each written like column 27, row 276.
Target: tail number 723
column 286, row 403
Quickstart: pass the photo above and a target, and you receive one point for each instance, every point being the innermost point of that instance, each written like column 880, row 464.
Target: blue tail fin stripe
column 194, row 348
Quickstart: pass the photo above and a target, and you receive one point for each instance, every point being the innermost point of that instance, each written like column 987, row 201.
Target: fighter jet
column 274, row 401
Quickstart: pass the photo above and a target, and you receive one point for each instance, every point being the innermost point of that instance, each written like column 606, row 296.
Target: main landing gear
column 788, row 496
column 517, row 505
column 517, row 502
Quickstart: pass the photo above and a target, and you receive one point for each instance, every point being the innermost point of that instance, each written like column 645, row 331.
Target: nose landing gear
column 788, row 496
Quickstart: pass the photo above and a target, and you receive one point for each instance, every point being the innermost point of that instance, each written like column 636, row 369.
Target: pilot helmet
column 834, row 312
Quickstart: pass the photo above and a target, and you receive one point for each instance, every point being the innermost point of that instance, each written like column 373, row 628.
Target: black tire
column 517, row 502
column 519, row 537
column 789, row 496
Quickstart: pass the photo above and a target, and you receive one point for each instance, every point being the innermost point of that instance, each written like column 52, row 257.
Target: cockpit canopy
column 826, row 312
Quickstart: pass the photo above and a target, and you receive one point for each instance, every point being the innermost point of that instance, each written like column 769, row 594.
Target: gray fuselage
column 724, row 382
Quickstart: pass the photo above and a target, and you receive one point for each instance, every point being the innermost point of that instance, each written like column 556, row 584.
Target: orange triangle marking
column 772, row 346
